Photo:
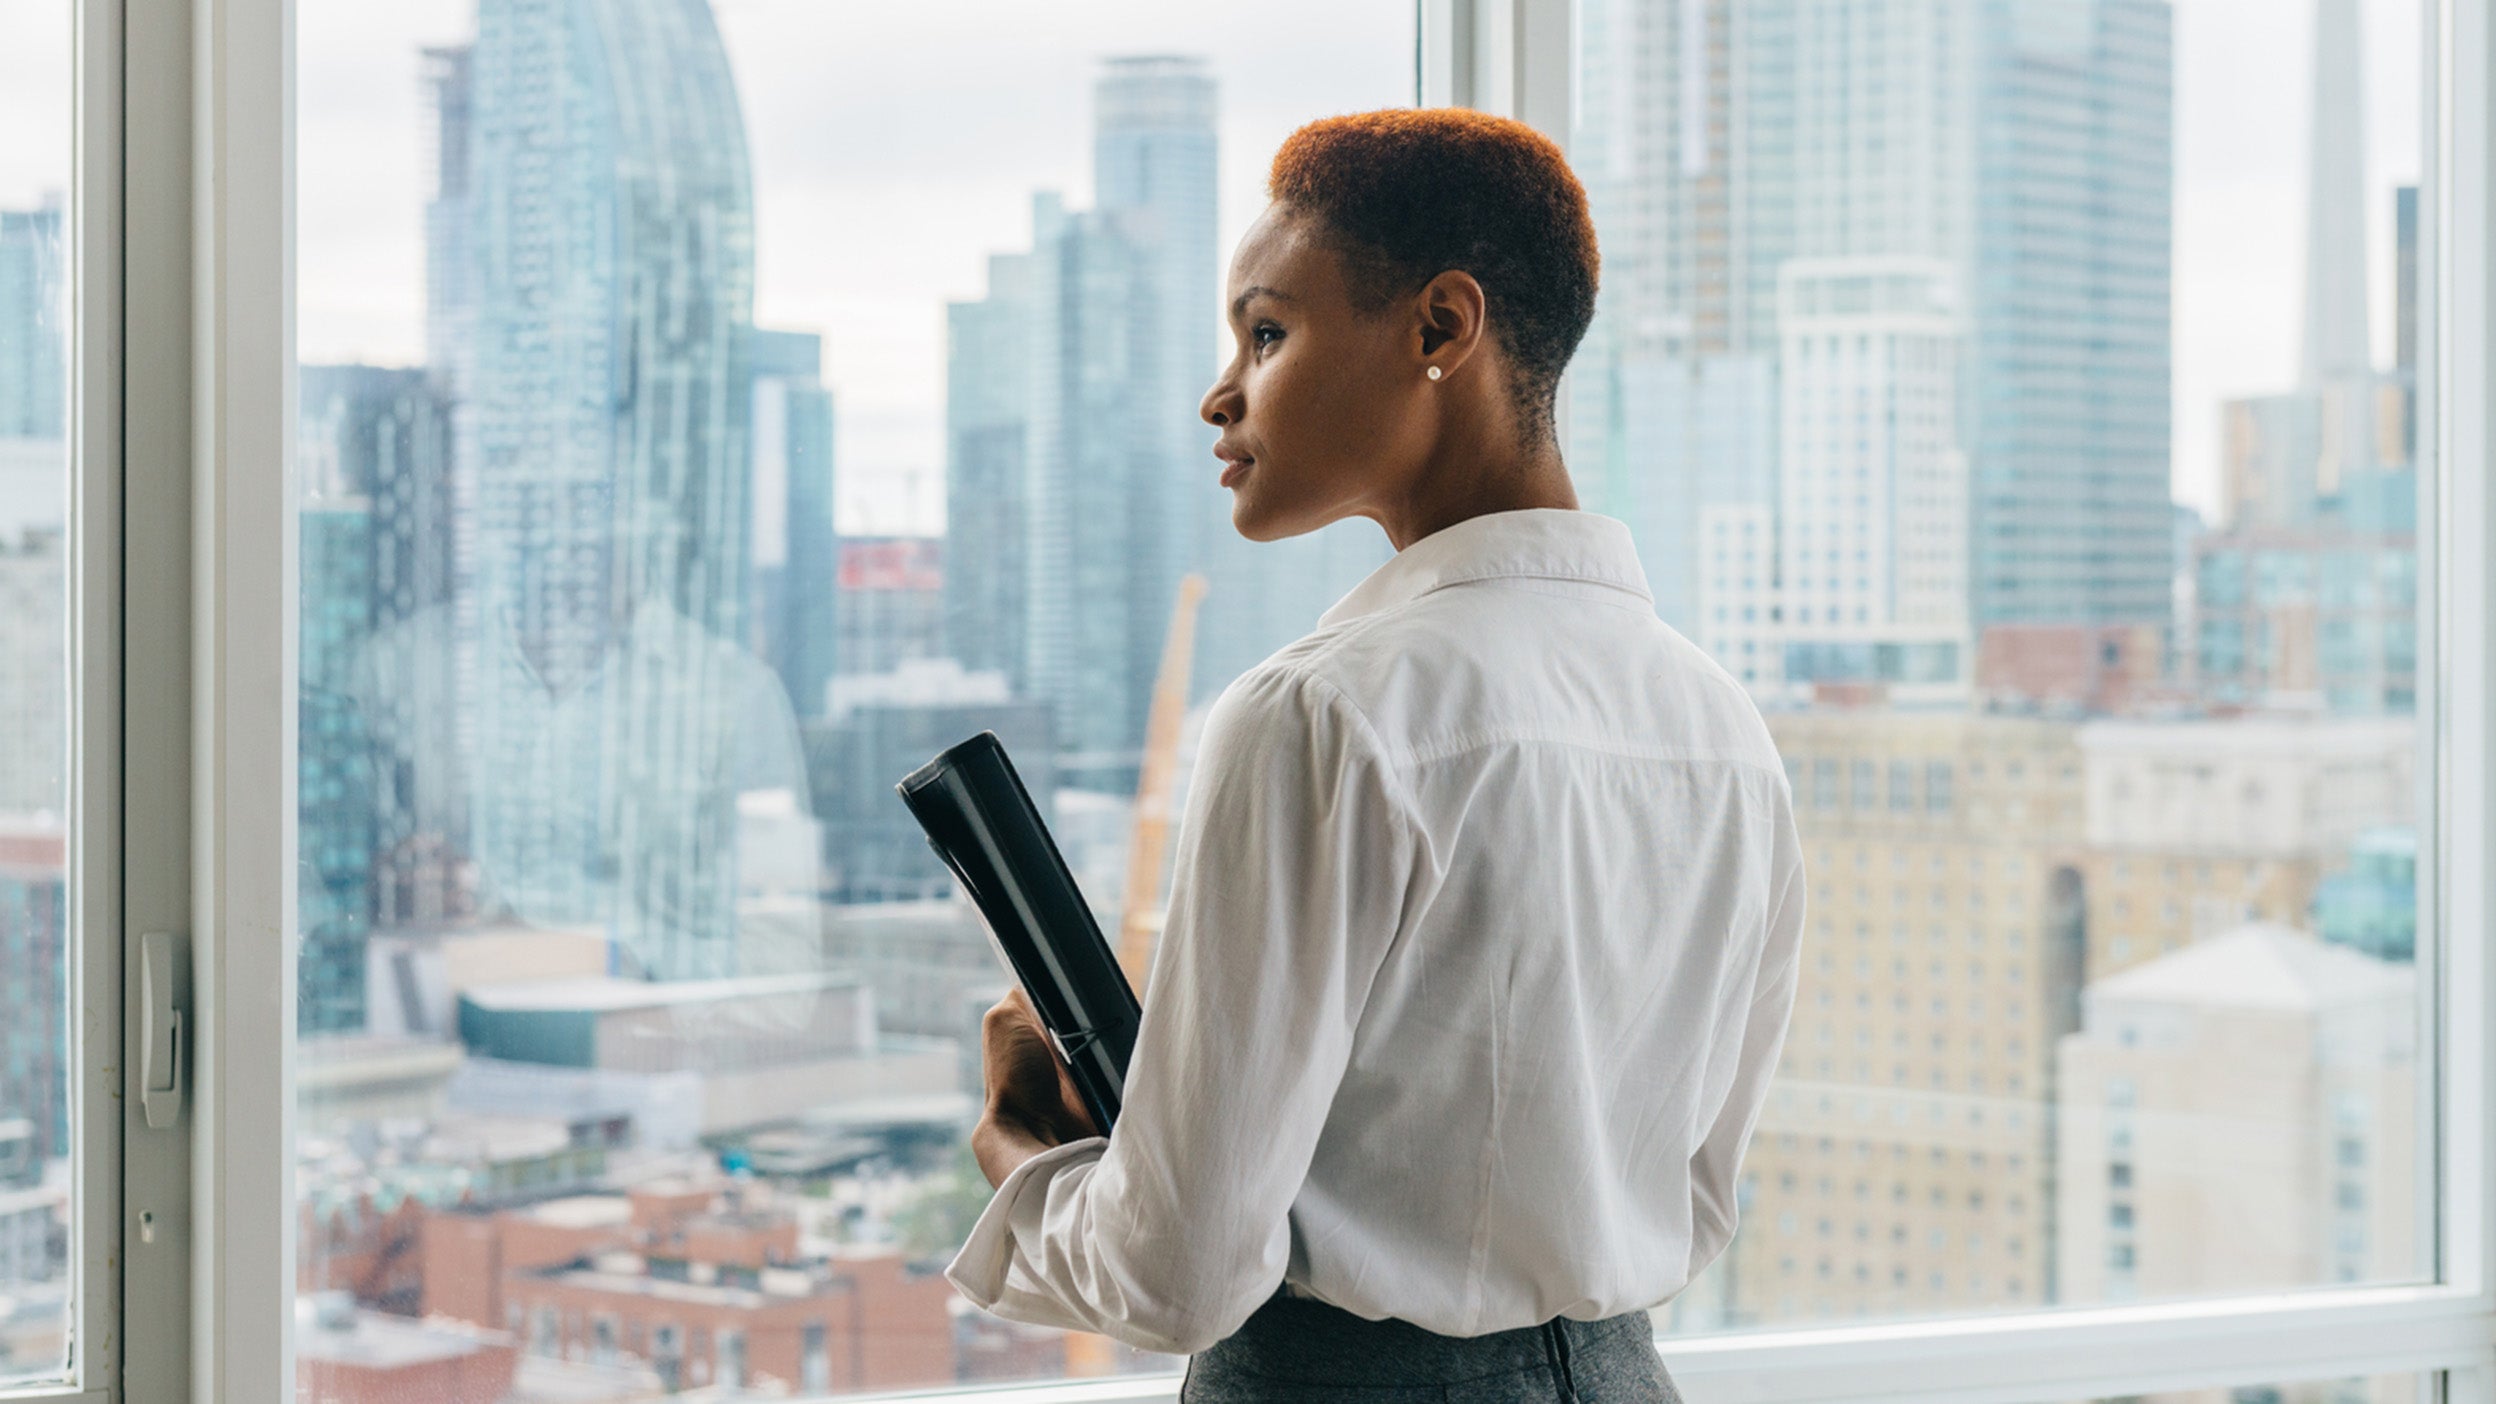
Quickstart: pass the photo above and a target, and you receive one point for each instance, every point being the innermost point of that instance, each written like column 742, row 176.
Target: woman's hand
column 1032, row 1100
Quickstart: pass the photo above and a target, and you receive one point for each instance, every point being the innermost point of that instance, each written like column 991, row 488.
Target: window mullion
column 243, row 577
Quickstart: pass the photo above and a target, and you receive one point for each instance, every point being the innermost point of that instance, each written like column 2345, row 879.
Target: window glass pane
column 37, row 1183
column 708, row 413
column 2066, row 354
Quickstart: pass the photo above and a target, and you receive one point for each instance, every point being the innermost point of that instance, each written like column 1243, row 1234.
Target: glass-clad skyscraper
column 592, row 265
column 2070, row 379
column 1987, row 446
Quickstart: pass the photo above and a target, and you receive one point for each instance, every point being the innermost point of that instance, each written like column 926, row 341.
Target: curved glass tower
column 605, row 238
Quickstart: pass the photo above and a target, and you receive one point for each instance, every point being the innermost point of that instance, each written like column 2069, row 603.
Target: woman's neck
column 1460, row 487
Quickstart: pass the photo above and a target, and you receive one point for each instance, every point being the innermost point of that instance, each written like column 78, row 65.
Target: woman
column 1481, row 943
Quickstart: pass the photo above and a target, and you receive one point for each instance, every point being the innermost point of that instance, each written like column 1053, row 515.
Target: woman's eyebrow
column 1239, row 304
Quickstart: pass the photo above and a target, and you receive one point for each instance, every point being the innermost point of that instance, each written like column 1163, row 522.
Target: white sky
column 895, row 146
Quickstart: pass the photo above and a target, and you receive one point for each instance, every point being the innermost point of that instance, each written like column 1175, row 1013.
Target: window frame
column 231, row 421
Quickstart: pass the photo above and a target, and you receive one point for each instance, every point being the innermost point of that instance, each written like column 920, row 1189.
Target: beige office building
column 2197, row 827
column 2242, row 1116
column 1902, row 1164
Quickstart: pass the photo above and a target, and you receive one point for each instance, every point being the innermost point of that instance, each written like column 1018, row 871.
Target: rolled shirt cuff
column 982, row 1269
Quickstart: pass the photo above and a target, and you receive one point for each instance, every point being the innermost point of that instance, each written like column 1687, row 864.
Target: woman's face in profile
column 1321, row 407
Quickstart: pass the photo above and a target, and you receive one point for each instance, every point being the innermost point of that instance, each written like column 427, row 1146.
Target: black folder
column 981, row 821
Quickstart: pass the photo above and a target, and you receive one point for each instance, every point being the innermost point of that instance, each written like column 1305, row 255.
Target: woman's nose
column 1220, row 407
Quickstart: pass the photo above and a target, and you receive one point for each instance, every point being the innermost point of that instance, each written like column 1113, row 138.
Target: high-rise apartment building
column 1080, row 481
column 2069, row 380
column 797, row 543
column 376, row 525
column 1685, row 140
column 1874, row 485
column 1721, row 144
column 592, row 268
column 988, row 350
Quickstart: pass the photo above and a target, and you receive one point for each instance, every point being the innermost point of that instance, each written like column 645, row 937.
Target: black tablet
column 981, row 821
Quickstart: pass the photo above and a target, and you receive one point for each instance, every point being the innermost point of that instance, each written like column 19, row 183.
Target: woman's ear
column 1449, row 313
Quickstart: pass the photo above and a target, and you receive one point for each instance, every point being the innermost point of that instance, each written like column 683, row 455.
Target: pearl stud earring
column 1434, row 372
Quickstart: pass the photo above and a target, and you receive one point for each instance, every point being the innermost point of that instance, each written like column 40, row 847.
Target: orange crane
column 1140, row 921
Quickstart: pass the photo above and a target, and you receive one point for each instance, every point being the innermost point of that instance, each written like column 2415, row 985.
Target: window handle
column 161, row 978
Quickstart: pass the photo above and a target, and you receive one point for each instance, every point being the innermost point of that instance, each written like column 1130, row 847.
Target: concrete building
column 2241, row 1116
column 350, row 1355
column 1903, row 1163
column 2196, row 827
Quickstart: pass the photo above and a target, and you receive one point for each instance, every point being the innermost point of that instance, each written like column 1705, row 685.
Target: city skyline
column 620, row 965
column 2242, row 80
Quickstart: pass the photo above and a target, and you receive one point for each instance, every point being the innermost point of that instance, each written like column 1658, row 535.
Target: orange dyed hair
column 1410, row 193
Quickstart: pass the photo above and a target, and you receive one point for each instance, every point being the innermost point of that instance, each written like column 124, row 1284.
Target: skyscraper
column 1723, row 142
column 1685, row 140
column 2069, row 380
column 796, row 542
column 1875, row 484
column 1119, row 348
column 376, row 522
column 592, row 267
column 988, row 349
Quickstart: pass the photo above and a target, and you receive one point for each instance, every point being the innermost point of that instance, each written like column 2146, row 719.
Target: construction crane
column 1140, row 920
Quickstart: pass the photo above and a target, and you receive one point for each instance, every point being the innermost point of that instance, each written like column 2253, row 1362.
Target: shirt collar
column 1552, row 543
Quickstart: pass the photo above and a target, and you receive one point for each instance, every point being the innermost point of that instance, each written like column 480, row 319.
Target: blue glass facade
column 793, row 440
column 591, row 271
column 2068, row 418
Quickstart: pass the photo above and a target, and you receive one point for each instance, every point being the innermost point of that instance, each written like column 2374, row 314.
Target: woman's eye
column 1265, row 336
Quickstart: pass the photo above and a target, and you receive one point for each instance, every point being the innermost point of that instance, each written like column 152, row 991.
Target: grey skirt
column 1296, row 1350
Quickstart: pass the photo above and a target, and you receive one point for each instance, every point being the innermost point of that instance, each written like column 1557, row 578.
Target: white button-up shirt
column 1480, row 951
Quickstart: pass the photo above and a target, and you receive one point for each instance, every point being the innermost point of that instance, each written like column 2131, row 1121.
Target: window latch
column 163, row 982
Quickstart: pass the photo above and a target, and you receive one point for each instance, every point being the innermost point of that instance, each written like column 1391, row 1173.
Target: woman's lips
column 1233, row 469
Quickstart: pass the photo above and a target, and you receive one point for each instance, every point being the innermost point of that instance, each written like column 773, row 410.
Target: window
column 1762, row 204
column 706, row 413
column 39, row 1048
column 1734, row 214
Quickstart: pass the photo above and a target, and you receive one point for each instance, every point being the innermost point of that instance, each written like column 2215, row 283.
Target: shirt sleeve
column 1289, row 885
column 1716, row 1168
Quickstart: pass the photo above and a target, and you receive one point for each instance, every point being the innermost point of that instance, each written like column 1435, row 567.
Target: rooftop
column 340, row 1332
column 2257, row 966
column 607, row 993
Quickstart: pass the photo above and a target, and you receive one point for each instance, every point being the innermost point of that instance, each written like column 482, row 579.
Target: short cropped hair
column 1409, row 193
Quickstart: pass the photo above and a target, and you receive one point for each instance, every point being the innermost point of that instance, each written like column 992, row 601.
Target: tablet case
column 981, row 821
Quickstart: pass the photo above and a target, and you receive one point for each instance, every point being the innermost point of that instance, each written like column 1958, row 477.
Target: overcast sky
column 895, row 146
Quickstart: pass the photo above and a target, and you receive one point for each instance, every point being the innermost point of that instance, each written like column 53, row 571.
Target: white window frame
column 230, row 330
